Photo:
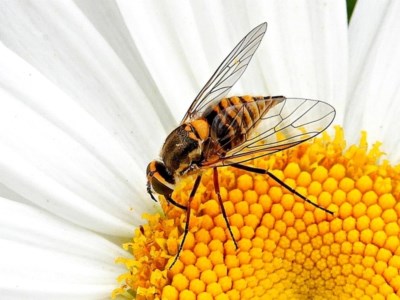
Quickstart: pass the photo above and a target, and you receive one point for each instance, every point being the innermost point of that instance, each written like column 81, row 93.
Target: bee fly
column 217, row 131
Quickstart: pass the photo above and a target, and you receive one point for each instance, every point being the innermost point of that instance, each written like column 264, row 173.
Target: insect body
column 218, row 131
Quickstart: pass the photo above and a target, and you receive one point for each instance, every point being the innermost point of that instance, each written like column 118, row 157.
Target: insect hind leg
column 217, row 191
column 186, row 230
column 292, row 190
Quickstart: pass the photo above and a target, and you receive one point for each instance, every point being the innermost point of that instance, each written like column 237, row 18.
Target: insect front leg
column 217, row 191
column 292, row 190
column 150, row 192
column 167, row 197
column 186, row 230
column 173, row 202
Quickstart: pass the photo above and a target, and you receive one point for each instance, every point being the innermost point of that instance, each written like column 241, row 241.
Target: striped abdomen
column 233, row 119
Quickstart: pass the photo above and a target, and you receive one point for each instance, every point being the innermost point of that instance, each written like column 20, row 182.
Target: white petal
column 306, row 50
column 107, row 19
column 374, row 74
column 303, row 55
column 55, row 154
column 60, row 41
column 45, row 258
column 167, row 37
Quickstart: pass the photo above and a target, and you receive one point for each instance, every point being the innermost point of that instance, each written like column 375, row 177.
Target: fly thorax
column 182, row 149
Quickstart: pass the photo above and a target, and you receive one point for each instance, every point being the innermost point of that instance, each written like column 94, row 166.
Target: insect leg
column 167, row 197
column 292, row 190
column 150, row 192
column 216, row 186
column 173, row 202
column 186, row 230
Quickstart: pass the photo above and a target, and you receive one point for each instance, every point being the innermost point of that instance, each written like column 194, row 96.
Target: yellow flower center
column 288, row 249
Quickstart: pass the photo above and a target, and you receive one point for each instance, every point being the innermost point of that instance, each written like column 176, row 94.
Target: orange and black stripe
column 233, row 118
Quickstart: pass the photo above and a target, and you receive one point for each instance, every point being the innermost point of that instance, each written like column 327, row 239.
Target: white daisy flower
column 89, row 91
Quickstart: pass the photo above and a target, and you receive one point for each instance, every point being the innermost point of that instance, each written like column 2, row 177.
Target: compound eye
column 159, row 178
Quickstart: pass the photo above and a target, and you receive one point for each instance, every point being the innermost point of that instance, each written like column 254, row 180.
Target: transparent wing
column 230, row 70
column 286, row 123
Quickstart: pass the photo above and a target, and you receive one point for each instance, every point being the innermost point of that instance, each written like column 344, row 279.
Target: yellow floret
column 187, row 257
column 292, row 170
column 346, row 184
column 207, row 222
column 245, row 182
column 225, row 283
column 235, row 195
column 386, row 201
column 203, row 236
column 180, row 282
column 275, row 193
column 204, row 263
column 214, row 289
column 235, row 273
column 211, row 208
column 330, row 185
column 370, row 198
column 253, row 219
column 242, row 208
column 187, row 295
column 197, row 286
column 191, row 272
column 221, row 270
column 216, row 257
column 208, row 276
column 364, row 184
column 251, row 197
column 337, row 171
column 204, row 296
column 201, row 249
column 231, row 261
column 261, row 187
column 304, row 179
column 286, row 248
column 170, row 293
column 247, row 232
column 222, row 297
